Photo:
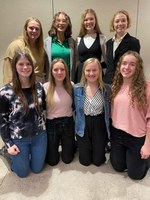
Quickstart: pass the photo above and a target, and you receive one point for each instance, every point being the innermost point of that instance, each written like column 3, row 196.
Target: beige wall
column 14, row 13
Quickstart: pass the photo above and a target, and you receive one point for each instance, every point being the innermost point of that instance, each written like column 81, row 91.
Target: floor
column 72, row 182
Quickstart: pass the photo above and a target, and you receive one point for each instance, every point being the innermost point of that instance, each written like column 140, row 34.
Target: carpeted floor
column 72, row 182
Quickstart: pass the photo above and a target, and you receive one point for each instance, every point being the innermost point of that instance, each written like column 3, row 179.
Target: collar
column 118, row 40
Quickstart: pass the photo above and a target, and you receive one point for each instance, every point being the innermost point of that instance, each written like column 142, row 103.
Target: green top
column 61, row 50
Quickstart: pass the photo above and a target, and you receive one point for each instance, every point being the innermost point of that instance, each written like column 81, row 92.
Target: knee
column 22, row 174
column 118, row 168
column 37, row 170
column 98, row 163
column 84, row 162
column 136, row 175
column 52, row 162
column 67, row 160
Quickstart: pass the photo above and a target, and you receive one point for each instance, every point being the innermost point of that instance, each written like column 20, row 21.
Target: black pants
column 92, row 144
column 125, row 154
column 60, row 131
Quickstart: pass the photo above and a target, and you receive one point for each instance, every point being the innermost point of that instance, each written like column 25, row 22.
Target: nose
column 91, row 72
column 59, row 71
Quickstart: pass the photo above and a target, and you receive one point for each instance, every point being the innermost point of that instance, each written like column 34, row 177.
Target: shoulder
column 46, row 85
column 14, row 46
column 78, row 87
column 130, row 37
column 6, row 91
column 48, row 39
column 39, row 85
column 102, row 37
column 148, row 84
column 108, row 88
column 109, row 41
column 71, row 41
column 78, row 40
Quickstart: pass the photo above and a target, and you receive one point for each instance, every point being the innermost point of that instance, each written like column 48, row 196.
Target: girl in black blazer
column 119, row 44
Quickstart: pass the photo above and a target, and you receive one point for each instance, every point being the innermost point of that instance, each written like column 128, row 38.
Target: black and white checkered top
column 95, row 105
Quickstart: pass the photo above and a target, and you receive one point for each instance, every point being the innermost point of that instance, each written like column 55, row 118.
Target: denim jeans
column 32, row 154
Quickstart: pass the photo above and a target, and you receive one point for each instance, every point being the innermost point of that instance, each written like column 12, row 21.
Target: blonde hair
column 83, row 78
column 39, row 43
column 120, row 12
column 83, row 31
column 138, row 85
column 66, row 83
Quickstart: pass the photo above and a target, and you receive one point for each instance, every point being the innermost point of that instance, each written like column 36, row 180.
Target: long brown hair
column 53, row 31
column 138, row 85
column 66, row 82
column 82, row 28
column 17, row 84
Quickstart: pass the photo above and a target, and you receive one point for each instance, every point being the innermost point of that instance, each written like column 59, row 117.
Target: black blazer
column 128, row 43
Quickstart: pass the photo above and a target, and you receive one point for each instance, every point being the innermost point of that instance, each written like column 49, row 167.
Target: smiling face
column 120, row 24
column 61, row 23
column 89, row 22
column 33, row 30
column 23, row 68
column 92, row 72
column 128, row 67
column 59, row 72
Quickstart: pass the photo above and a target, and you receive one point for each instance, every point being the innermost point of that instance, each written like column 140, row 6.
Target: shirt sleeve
column 4, row 121
column 148, row 105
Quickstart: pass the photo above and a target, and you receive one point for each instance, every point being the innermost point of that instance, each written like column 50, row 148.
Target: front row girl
column 59, row 114
column 91, row 98
column 130, row 132
column 22, row 123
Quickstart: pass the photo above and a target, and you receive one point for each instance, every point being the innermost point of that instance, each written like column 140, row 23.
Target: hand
column 13, row 150
column 145, row 152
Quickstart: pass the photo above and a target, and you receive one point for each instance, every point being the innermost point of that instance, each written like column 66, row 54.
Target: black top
column 84, row 53
column 128, row 43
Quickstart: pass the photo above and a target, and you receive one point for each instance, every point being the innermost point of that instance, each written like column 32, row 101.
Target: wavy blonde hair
column 83, row 78
column 83, row 31
column 66, row 83
column 113, row 18
column 138, row 85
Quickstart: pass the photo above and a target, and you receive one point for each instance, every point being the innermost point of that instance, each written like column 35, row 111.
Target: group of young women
column 41, row 77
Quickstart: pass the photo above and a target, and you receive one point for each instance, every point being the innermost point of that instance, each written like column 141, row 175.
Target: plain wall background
column 14, row 14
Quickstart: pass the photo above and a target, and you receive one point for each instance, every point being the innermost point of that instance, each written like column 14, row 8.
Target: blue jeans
column 32, row 154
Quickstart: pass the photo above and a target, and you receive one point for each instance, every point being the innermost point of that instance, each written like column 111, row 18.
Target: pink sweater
column 128, row 118
column 62, row 103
